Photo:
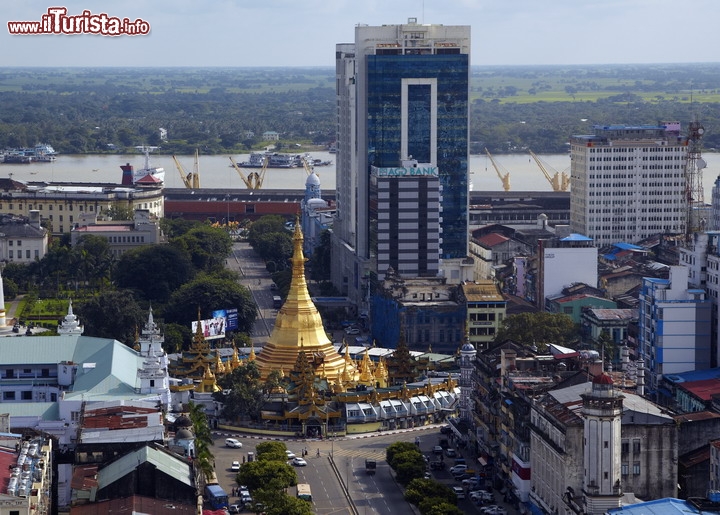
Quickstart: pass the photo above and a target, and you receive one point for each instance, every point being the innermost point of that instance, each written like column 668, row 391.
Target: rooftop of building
column 667, row 506
column 482, row 291
column 613, row 314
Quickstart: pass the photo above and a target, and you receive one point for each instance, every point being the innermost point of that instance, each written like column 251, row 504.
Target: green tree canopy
column 399, row 448
column 112, row 314
column 209, row 293
column 207, row 246
column 271, row 451
column 154, row 270
column 419, row 489
column 281, row 504
column 267, row 474
column 242, row 394
column 265, row 225
column 539, row 329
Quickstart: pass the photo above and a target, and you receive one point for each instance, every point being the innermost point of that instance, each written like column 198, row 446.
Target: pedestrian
column 318, row 453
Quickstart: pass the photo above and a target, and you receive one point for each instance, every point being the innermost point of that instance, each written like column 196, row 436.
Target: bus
column 303, row 492
column 277, row 301
column 216, row 497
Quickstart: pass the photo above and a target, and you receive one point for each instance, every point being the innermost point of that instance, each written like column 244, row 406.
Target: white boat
column 147, row 174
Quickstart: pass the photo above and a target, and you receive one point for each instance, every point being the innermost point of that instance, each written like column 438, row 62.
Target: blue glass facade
column 385, row 74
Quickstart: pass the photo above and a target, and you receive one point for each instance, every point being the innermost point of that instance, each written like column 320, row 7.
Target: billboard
column 230, row 316
column 212, row 328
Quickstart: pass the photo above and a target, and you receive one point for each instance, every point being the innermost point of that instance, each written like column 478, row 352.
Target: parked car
column 352, row 330
column 458, row 469
column 234, row 508
column 299, row 462
column 450, row 453
column 471, row 482
column 437, row 465
column 446, row 430
column 246, row 499
column 489, row 509
column 235, row 467
column 459, row 492
column 437, row 450
column 233, row 442
column 498, row 510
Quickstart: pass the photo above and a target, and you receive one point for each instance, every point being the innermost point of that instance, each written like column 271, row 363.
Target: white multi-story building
column 674, row 326
column 23, row 240
column 628, row 182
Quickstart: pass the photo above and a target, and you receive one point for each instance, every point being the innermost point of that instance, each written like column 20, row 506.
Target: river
column 216, row 172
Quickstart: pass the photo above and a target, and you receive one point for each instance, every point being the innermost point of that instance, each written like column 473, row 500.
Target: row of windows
column 633, row 149
column 625, row 468
column 126, row 239
column 11, row 254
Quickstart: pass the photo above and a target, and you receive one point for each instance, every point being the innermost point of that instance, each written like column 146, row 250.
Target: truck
column 370, row 466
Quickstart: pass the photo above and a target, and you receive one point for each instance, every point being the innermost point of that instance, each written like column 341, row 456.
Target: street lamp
column 332, row 446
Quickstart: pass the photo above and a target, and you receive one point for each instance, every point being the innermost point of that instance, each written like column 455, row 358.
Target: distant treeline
column 227, row 110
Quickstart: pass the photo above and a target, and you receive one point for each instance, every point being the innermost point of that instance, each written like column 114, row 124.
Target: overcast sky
column 235, row 33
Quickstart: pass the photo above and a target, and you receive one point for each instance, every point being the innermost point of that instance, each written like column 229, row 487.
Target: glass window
column 8, row 396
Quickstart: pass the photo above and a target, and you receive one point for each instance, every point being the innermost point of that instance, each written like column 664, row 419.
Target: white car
column 299, row 462
column 233, row 442
column 352, row 330
column 458, row 469
column 235, row 467
column 290, row 454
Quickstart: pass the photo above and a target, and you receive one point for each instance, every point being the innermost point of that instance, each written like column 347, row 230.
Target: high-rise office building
column 628, row 183
column 402, row 94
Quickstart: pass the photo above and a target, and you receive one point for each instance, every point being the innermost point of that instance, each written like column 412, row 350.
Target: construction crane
column 254, row 180
column 558, row 181
column 190, row 180
column 505, row 178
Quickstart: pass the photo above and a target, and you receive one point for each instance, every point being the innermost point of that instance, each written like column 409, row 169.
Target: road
column 256, row 278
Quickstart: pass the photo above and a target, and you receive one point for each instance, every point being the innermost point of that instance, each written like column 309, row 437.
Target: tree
column 281, row 504
column 154, row 270
column 244, row 397
column 320, row 259
column 204, row 459
column 207, row 246
column 119, row 211
column 432, row 507
column 271, row 451
column 112, row 314
column 210, row 293
column 399, row 448
column 419, row 489
column 538, row 329
column 267, row 475
column 265, row 225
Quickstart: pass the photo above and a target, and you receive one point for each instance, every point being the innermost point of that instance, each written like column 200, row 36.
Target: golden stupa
column 298, row 326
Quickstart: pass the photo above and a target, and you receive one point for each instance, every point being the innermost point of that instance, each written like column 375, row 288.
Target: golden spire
column 235, row 360
column 298, row 325
column 251, row 356
column 219, row 367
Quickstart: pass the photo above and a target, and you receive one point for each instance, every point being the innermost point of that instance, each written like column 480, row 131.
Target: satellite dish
column 701, row 163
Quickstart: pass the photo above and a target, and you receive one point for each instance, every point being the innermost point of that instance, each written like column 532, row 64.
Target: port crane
column 505, row 178
column 190, row 180
column 558, row 181
column 253, row 180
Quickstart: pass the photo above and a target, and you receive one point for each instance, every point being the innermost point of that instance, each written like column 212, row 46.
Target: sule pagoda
column 326, row 391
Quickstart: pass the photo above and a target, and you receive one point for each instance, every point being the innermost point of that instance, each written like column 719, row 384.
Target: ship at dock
column 149, row 175
column 279, row 160
column 40, row 153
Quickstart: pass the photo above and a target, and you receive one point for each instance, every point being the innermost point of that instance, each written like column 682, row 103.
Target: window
column 636, row 446
column 45, row 372
column 19, row 243
column 625, row 447
column 8, row 396
column 624, row 469
column 74, row 416
column 9, row 373
column 27, row 254
column 636, row 468
column 10, row 254
column 152, row 383
column 10, row 243
column 26, row 395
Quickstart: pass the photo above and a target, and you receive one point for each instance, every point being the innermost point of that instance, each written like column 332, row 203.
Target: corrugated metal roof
column 164, row 462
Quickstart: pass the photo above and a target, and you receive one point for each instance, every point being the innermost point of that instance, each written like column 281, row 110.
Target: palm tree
column 204, row 459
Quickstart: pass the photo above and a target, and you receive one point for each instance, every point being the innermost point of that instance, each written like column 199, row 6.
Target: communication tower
column 695, row 196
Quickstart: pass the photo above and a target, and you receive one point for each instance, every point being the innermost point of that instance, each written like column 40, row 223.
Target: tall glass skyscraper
column 402, row 94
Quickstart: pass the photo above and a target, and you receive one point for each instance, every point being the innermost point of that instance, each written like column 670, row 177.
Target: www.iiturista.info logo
column 57, row 21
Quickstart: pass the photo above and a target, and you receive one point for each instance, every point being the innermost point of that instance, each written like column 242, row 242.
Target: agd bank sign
column 407, row 171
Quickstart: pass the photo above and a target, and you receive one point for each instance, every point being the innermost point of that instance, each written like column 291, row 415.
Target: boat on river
column 147, row 174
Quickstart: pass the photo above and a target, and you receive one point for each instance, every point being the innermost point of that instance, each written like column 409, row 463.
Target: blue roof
column 667, row 506
column 576, row 237
column 627, row 246
column 695, row 375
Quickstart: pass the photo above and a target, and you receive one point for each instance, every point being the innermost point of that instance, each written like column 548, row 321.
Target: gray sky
column 233, row 33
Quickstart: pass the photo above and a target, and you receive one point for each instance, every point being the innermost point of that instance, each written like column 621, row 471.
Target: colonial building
column 22, row 240
column 121, row 235
column 63, row 203
column 486, row 309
